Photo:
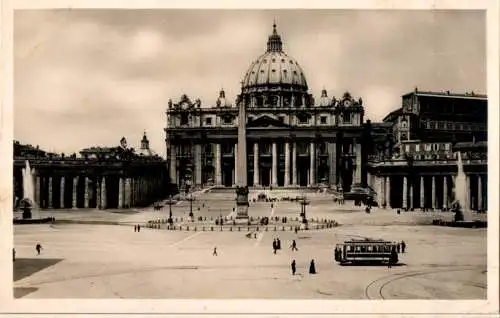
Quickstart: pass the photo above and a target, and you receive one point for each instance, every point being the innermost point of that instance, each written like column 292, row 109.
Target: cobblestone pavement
column 111, row 261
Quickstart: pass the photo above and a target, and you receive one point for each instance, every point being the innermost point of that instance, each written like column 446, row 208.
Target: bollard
column 180, row 228
column 266, row 229
column 188, row 227
column 211, row 228
column 221, row 228
column 275, row 229
column 291, row 228
column 283, row 228
column 257, row 228
column 195, row 228
column 239, row 228
column 181, row 219
column 248, row 229
column 231, row 229
column 203, row 229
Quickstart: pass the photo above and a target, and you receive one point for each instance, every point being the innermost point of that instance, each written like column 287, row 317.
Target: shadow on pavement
column 24, row 267
column 373, row 264
column 20, row 292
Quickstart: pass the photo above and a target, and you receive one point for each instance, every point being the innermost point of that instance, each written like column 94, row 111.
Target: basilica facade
column 293, row 139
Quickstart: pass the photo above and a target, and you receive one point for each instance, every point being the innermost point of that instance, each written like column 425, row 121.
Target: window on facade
column 303, row 119
column 227, row 120
column 417, row 148
column 184, row 119
column 322, row 119
column 427, row 147
column 447, row 146
column 407, row 148
column 208, row 121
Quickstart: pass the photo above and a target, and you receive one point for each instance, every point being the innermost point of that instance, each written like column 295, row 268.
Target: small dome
column 274, row 67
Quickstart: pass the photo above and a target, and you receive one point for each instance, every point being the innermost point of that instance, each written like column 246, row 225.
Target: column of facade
column 312, row 165
column 405, row 192
column 287, row 164
column 369, row 179
column 380, row 183
column 61, row 192
column 198, row 165
column 294, row 164
column 173, row 164
column 256, row 180
column 218, row 168
column 86, row 194
column 445, row 192
column 388, row 191
column 422, row 192
column 357, row 170
column 104, row 197
column 411, row 195
column 479, row 193
column 332, row 156
column 50, row 193
column 235, row 178
column 75, row 193
column 274, row 175
column 37, row 190
column 433, row 192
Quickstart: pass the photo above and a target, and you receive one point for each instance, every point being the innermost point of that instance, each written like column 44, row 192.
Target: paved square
column 113, row 261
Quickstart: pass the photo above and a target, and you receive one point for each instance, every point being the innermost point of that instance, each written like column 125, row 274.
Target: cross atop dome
column 274, row 43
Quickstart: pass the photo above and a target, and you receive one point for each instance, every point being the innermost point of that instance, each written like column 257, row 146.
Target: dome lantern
column 274, row 43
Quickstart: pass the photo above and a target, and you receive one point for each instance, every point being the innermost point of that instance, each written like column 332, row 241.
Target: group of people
column 312, row 267
column 276, row 245
column 137, row 228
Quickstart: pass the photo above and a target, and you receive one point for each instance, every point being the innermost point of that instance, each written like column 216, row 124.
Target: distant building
column 417, row 167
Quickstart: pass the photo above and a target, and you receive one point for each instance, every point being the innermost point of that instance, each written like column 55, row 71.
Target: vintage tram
column 366, row 252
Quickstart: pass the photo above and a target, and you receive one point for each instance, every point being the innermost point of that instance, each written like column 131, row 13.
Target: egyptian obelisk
column 241, row 182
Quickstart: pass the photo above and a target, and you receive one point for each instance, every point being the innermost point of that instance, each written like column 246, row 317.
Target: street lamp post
column 170, row 208
column 191, row 199
column 303, row 203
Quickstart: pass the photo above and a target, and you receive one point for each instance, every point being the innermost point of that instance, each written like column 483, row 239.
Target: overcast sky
column 89, row 77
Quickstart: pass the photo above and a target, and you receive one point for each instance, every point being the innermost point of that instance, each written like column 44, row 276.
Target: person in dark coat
column 215, row 251
column 312, row 267
column 294, row 268
column 13, row 254
column 138, row 228
column 275, row 246
column 403, row 246
column 278, row 244
column 294, row 246
column 38, row 248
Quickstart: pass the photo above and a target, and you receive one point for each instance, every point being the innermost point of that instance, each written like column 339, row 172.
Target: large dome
column 274, row 68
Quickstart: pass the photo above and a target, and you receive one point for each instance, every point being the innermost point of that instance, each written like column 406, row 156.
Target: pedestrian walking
column 296, row 229
column 294, row 268
column 278, row 244
column 38, row 248
column 215, row 251
column 275, row 246
column 138, row 228
column 398, row 247
column 403, row 246
column 312, row 267
column 294, row 246
column 135, row 228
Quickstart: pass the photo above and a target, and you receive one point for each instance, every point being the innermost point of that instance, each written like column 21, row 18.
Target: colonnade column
column 294, row 164
column 104, row 201
column 405, row 192
column 86, row 195
column 127, row 193
column 388, row 191
column 274, row 175
column 256, row 180
column 50, row 193
column 75, row 193
column 380, row 181
column 98, row 193
column 218, row 169
column 433, row 192
column 287, row 164
column 312, row 165
column 37, row 190
column 61, row 192
column 468, row 203
column 445, row 192
column 120, row 193
column 479, row 193
column 422, row 192
column 198, row 165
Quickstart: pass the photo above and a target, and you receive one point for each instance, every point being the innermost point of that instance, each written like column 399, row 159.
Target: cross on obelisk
column 241, row 182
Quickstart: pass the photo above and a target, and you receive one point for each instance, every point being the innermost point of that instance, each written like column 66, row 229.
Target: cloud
column 89, row 77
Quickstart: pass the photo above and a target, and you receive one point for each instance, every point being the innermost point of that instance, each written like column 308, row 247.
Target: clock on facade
column 347, row 103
